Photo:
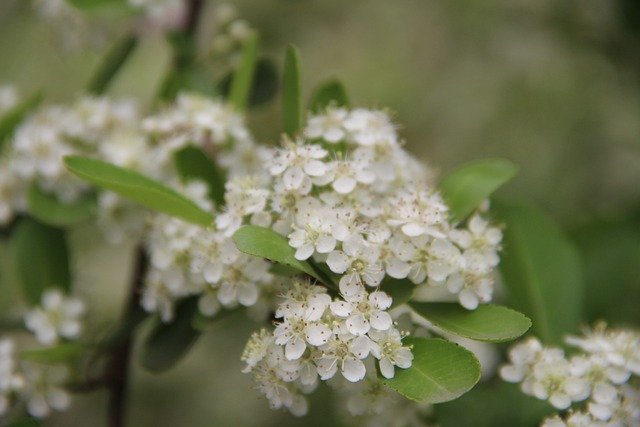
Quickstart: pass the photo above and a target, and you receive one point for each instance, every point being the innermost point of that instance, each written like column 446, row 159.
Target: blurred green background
column 553, row 86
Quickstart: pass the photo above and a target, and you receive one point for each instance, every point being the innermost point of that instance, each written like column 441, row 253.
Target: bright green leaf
column 243, row 76
column 12, row 118
column 60, row 353
column 48, row 209
column 466, row 187
column 111, row 64
column 291, row 92
column 138, row 188
column 441, row 371
column 169, row 342
column 330, row 92
column 541, row 270
column 91, row 5
column 266, row 243
column 193, row 163
column 41, row 259
column 491, row 323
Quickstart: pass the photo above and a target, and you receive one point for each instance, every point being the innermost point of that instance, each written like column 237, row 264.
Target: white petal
column 344, row 185
column 380, row 320
column 380, row 300
column 325, row 244
column 386, row 368
column 315, row 168
column 341, row 308
column 338, row 262
column 318, row 334
column 304, row 252
column 357, row 324
column 360, row 347
column 247, row 294
column 412, row 229
column 294, row 348
column 353, row 370
column 468, row 299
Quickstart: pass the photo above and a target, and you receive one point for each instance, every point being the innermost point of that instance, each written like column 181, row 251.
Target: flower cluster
column 601, row 375
column 318, row 337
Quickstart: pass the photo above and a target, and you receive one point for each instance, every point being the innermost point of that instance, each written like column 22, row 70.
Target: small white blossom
column 58, row 317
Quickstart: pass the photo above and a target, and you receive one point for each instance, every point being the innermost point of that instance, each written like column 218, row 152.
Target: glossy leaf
column 266, row 243
column 169, row 342
column 47, row 209
column 193, row 163
column 441, row 371
column 492, row 323
column 541, row 270
column 10, row 120
column 291, row 92
column 41, row 259
column 60, row 353
column 331, row 92
column 243, row 76
column 111, row 64
column 138, row 188
column 466, row 187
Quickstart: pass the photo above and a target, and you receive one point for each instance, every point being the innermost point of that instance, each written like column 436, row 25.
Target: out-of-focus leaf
column 47, row 209
column 203, row 323
column 401, row 290
column 169, row 342
column 138, row 188
column 492, row 323
column 12, row 118
column 112, row 62
column 330, row 92
column 541, row 270
column 41, row 259
column 264, row 85
column 441, row 371
column 25, row 422
column 291, row 92
column 193, row 163
column 466, row 187
column 243, row 76
column 60, row 353
column 266, row 243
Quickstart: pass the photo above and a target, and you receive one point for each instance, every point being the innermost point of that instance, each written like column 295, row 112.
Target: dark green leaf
column 49, row 210
column 12, row 118
column 541, row 270
column 491, row 323
column 60, row 353
column 401, row 290
column 466, row 187
column 193, row 163
column 441, row 371
column 266, row 243
column 169, row 342
column 203, row 323
column 243, row 76
column 283, row 270
column 42, row 259
column 291, row 92
column 138, row 188
column 111, row 64
column 25, row 422
column 330, row 92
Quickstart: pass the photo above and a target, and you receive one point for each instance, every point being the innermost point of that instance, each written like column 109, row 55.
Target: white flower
column 11, row 381
column 418, row 212
column 388, row 349
column 367, row 127
column 344, row 175
column 315, row 234
column 328, row 126
column 58, row 317
column 363, row 312
column 295, row 332
column 359, row 263
column 345, row 354
column 297, row 162
column 43, row 389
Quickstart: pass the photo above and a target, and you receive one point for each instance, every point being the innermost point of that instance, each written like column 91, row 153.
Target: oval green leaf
column 542, row 271
column 331, row 92
column 243, row 76
column 138, row 188
column 266, row 243
column 401, row 290
column 111, row 64
column 49, row 210
column 60, row 353
column 291, row 92
column 441, row 371
column 41, row 259
column 492, row 323
column 193, row 163
column 466, row 187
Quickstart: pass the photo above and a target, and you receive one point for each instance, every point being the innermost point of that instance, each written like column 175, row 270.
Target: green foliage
column 47, row 209
column 541, row 270
column 12, row 118
column 193, row 163
column 401, row 290
column 25, row 422
column 330, row 92
column 138, row 188
column 441, row 371
column 491, row 323
column 92, row 5
column 466, row 187
column 264, row 85
column 243, row 76
column 266, row 243
column 60, row 353
column 111, row 63
column 41, row 259
column 291, row 92
column 169, row 342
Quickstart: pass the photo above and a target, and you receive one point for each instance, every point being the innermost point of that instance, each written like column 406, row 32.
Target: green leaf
column 169, row 342
column 60, row 353
column 47, row 209
column 541, row 270
column 264, row 85
column 330, row 92
column 203, row 323
column 401, row 290
column 12, row 118
column 91, row 5
column 492, row 323
column 466, row 187
column 193, row 163
column 111, row 64
column 25, row 422
column 291, row 92
column 41, row 257
column 441, row 371
column 138, row 188
column 243, row 76
column 266, row 243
